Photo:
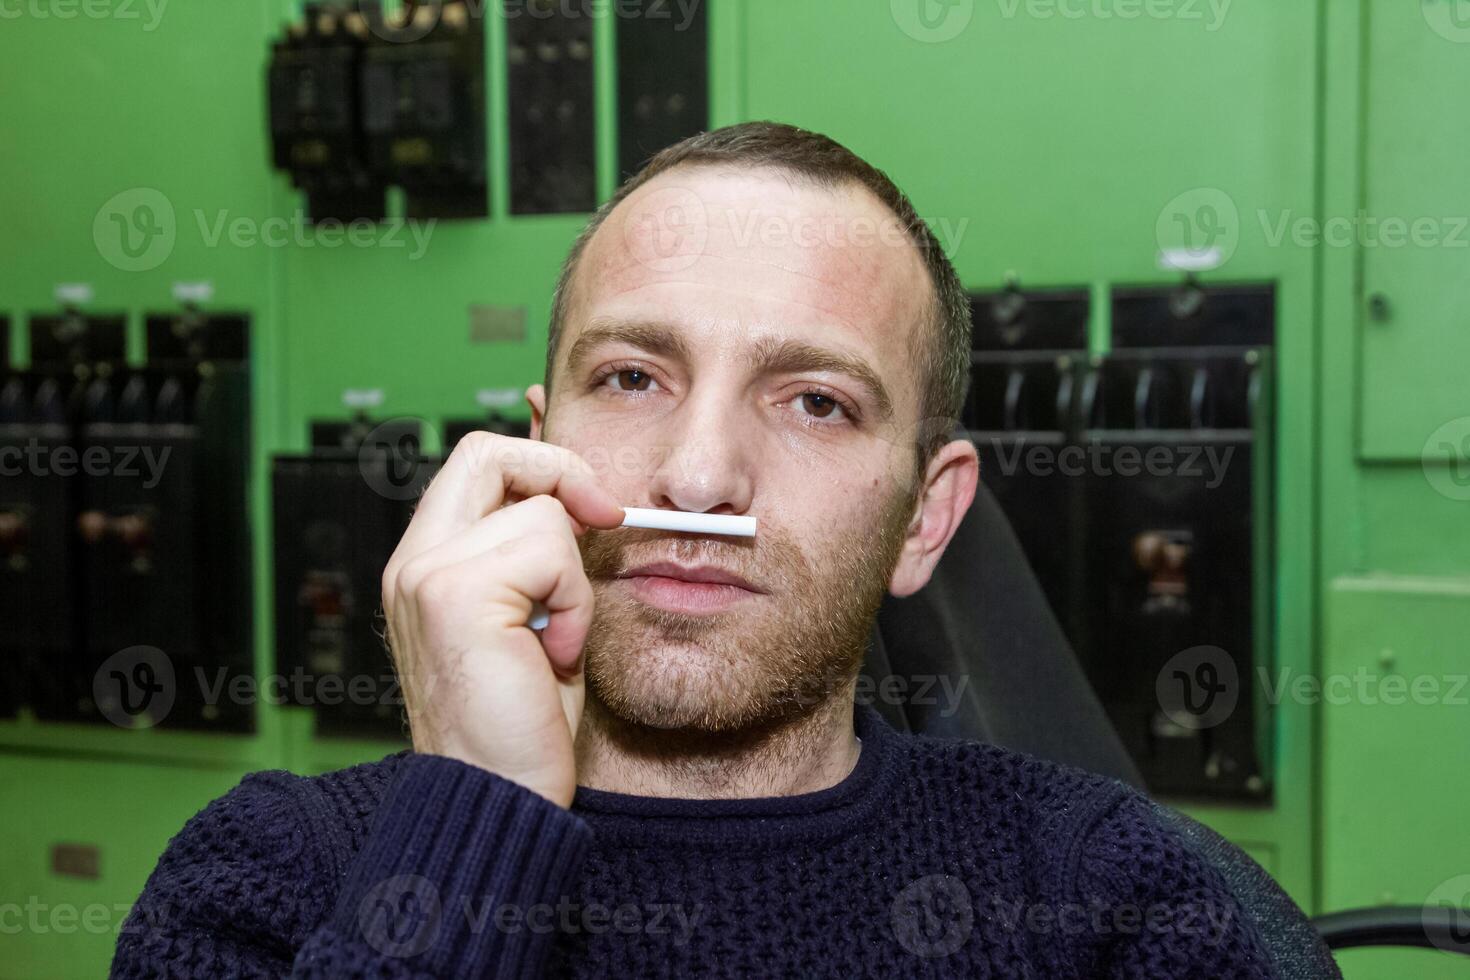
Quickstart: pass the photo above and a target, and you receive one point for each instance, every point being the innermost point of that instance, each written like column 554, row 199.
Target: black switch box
column 663, row 77
column 315, row 117
column 162, row 544
column 37, row 560
column 1029, row 352
column 423, row 111
column 339, row 513
column 553, row 160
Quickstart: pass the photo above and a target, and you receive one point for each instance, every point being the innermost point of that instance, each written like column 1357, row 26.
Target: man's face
column 738, row 342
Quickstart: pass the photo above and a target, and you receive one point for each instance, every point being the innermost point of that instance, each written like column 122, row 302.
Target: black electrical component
column 1194, row 315
column 457, row 429
column 1029, row 350
column 1138, row 483
column 315, row 117
column 553, row 161
column 423, row 110
column 74, row 338
column 1174, row 565
column 124, row 539
column 339, row 512
column 191, row 336
column 663, row 77
column 1177, row 524
column 162, row 529
column 37, row 574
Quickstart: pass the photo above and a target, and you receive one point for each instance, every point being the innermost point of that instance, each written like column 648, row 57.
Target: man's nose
column 706, row 467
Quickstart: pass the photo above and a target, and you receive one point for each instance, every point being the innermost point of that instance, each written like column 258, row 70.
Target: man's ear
column 949, row 489
column 536, row 398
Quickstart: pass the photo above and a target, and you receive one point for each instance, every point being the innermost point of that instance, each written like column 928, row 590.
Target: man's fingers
column 485, row 467
column 546, row 566
column 512, row 521
column 483, row 473
column 520, row 555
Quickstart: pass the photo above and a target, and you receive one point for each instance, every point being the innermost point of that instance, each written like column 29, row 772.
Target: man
column 672, row 777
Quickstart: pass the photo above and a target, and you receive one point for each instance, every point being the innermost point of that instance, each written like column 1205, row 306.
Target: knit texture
column 932, row 858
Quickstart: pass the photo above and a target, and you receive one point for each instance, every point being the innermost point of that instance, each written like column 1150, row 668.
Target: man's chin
column 677, row 686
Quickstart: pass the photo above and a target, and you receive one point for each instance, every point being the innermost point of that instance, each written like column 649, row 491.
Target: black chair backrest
column 981, row 656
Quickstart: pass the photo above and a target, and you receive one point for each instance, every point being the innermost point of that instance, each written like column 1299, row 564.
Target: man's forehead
column 757, row 244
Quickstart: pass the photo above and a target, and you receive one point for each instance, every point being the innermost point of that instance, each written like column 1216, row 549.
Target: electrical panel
column 72, row 337
column 360, row 101
column 36, row 564
column 1140, row 485
column 1178, row 516
column 423, row 105
column 1029, row 351
column 339, row 513
column 125, row 534
column 189, row 336
column 457, row 429
column 663, row 78
column 316, row 118
column 553, row 158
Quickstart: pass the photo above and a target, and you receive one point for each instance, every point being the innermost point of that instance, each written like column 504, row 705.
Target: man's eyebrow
column 773, row 355
column 651, row 337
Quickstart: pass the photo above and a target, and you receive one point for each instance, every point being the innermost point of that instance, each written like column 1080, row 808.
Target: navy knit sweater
column 932, row 858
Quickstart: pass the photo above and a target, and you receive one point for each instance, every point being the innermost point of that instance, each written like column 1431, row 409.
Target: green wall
column 1059, row 149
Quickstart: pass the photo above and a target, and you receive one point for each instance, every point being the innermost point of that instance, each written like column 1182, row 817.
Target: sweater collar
column 826, row 812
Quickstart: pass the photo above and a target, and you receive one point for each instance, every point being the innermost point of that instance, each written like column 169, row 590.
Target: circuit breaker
column 1029, row 350
column 496, row 422
column 133, row 550
column 36, row 568
column 1140, row 485
column 64, row 340
column 339, row 513
column 663, row 78
column 553, row 158
column 316, row 126
column 423, row 111
column 1177, row 524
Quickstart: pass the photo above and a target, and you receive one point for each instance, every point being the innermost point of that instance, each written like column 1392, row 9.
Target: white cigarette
column 681, row 520
column 666, row 520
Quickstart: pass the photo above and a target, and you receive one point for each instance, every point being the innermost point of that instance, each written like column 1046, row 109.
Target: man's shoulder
column 1084, row 831
column 274, row 818
column 990, row 778
column 336, row 806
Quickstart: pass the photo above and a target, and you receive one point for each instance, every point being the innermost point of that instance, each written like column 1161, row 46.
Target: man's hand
column 496, row 531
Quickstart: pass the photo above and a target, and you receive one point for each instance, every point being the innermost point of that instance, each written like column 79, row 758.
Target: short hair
column 942, row 352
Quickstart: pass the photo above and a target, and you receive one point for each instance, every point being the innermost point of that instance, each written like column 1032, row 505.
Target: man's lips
column 689, row 589
column 697, row 574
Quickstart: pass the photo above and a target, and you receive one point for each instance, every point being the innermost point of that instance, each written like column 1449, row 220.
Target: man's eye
column 820, row 406
column 630, row 380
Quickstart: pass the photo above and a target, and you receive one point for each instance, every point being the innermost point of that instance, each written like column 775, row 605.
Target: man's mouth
column 688, row 588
